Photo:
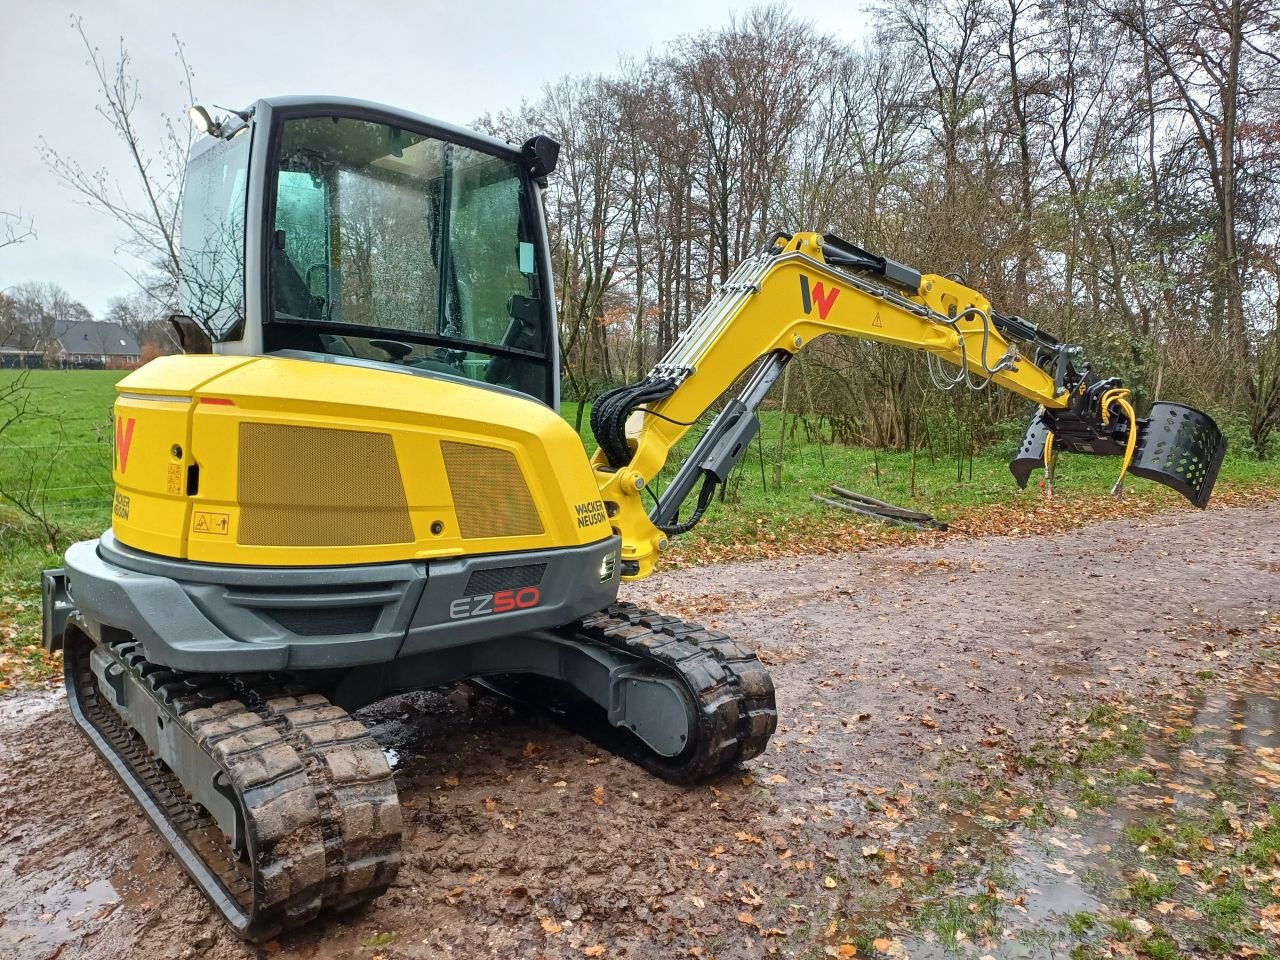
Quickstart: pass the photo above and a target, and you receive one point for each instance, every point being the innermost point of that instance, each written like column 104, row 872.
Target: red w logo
column 821, row 296
column 124, row 439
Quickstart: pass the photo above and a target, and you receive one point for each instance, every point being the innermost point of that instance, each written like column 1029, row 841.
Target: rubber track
column 729, row 689
column 356, row 792
column 289, row 774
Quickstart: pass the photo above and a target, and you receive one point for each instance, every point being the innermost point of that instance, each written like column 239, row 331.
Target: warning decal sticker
column 216, row 523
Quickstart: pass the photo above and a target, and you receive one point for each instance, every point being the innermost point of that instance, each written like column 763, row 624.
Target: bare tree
column 42, row 312
column 1062, row 168
column 958, row 44
column 141, row 315
column 147, row 203
column 1021, row 37
column 15, row 229
column 752, row 86
column 1218, row 62
column 877, row 94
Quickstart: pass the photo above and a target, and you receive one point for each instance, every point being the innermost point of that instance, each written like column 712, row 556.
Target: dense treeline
column 1109, row 169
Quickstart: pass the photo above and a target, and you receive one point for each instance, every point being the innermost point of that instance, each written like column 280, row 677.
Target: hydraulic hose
column 1120, row 397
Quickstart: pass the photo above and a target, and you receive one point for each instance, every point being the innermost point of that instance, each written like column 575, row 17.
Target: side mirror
column 540, row 153
column 191, row 336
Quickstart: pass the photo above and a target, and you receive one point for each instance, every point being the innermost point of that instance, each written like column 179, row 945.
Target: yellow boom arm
column 776, row 303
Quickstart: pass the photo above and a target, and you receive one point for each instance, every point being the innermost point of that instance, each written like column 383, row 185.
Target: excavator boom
column 803, row 286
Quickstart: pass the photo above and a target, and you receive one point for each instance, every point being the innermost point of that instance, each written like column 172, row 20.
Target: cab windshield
column 395, row 246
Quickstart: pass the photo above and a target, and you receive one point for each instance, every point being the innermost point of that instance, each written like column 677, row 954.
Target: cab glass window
column 402, row 248
column 211, row 246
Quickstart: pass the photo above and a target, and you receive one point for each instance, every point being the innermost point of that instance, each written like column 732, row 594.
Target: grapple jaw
column 1030, row 456
column 1178, row 446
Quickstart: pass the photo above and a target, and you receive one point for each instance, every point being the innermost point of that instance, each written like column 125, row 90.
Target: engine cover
column 280, row 461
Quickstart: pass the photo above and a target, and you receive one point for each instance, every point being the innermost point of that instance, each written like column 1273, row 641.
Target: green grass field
column 61, row 448
column 68, row 420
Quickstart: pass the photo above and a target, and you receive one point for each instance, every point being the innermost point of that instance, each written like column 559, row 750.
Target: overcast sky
column 450, row 60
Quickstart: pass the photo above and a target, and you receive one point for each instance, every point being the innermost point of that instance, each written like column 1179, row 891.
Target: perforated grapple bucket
column 1177, row 445
column 1182, row 448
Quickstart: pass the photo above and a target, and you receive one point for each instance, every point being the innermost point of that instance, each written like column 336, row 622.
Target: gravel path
column 526, row 841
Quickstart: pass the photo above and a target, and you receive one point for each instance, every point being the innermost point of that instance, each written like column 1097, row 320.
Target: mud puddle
column 30, row 705
column 1135, row 856
column 48, row 910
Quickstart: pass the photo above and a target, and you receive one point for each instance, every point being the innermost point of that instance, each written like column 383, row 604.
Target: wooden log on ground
column 867, row 512
column 889, row 508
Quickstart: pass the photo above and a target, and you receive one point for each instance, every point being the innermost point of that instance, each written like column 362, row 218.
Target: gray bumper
column 215, row 618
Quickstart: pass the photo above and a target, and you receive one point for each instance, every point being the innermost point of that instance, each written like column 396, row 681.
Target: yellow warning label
column 174, row 485
column 876, row 321
column 203, row 522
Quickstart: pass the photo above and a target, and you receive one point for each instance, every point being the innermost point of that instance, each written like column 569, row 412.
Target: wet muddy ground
column 932, row 789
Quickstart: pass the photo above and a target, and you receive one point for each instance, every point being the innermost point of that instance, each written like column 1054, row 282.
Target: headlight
column 607, row 567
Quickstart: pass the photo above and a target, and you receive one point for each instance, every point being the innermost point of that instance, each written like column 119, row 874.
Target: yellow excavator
column 355, row 481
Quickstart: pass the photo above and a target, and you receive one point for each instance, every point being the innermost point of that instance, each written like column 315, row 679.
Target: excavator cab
column 378, row 238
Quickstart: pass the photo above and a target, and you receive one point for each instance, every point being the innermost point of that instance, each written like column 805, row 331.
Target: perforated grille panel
column 326, row 621
column 505, row 578
column 316, row 487
column 490, row 495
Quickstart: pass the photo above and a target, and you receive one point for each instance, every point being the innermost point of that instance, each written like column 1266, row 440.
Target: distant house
column 86, row 343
